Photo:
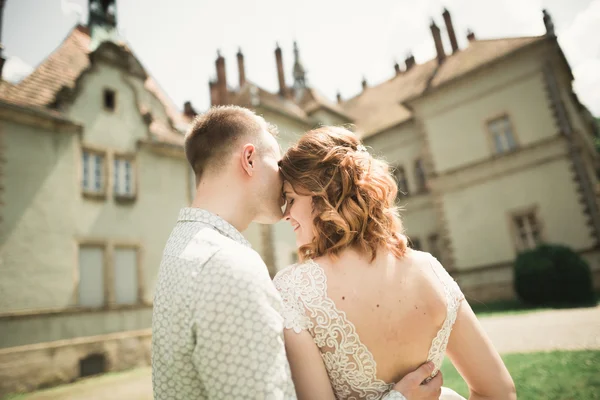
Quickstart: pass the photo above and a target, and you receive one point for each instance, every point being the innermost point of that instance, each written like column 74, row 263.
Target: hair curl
column 353, row 194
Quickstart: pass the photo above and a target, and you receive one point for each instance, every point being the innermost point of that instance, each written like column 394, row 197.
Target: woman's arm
column 474, row 356
column 308, row 370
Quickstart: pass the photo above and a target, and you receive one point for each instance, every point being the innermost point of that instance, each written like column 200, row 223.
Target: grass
column 557, row 375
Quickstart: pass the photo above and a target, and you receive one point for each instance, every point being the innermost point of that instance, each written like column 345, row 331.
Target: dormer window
column 109, row 100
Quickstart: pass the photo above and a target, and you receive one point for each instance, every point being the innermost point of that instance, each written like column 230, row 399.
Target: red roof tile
column 62, row 69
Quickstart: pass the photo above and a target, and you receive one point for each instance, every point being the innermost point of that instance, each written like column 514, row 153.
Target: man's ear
column 248, row 158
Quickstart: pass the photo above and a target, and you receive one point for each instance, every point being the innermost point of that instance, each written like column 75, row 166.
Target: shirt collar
column 216, row 222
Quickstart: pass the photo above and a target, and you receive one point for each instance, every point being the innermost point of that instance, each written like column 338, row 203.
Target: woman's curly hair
column 353, row 194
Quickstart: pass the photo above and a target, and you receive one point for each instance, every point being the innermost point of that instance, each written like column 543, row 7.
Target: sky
column 340, row 41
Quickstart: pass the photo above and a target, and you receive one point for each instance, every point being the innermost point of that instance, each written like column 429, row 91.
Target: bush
column 553, row 275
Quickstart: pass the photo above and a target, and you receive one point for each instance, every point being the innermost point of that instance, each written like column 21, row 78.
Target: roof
column 379, row 107
column 313, row 100
column 478, row 54
column 62, row 69
column 46, row 113
column 252, row 96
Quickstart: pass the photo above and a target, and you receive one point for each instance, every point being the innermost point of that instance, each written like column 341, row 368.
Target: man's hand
column 410, row 386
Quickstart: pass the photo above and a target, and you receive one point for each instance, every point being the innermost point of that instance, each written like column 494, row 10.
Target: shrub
column 553, row 275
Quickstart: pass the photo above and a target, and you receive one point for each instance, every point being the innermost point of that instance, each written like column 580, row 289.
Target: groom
column 217, row 332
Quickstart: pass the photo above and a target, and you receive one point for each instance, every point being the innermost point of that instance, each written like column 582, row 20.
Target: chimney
column 409, row 61
column 280, row 75
column 548, row 23
column 397, row 68
column 450, row 29
column 241, row 69
column 214, row 93
column 188, row 110
column 339, row 97
column 221, row 79
column 470, row 35
column 364, row 83
column 437, row 38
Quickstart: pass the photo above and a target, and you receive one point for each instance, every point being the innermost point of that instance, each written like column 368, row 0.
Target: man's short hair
column 213, row 134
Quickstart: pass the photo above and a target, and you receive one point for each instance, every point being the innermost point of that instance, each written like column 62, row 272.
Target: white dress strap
column 454, row 297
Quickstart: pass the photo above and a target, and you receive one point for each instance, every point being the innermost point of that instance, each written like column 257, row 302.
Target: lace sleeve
column 294, row 313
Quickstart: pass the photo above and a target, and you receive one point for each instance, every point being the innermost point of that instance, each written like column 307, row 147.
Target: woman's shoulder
column 304, row 277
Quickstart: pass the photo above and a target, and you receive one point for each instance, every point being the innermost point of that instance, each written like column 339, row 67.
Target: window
column 527, row 230
column 91, row 276
column 415, row 243
column 109, row 100
column 93, row 364
column 434, row 245
column 92, row 181
column 126, row 278
column 503, row 139
column 401, row 180
column 124, row 177
column 420, row 176
column 294, row 257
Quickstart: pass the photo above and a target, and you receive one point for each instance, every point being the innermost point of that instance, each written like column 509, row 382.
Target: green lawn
column 558, row 375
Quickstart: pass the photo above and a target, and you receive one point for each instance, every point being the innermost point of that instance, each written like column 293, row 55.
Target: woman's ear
column 248, row 158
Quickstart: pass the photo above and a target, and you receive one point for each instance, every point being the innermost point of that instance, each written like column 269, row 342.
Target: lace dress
column 350, row 365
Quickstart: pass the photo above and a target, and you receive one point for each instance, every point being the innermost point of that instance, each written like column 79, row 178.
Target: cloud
column 16, row 69
column 581, row 43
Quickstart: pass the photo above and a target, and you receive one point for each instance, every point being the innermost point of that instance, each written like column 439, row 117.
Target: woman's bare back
column 373, row 322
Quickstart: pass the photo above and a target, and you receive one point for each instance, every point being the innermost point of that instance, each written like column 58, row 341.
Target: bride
column 361, row 309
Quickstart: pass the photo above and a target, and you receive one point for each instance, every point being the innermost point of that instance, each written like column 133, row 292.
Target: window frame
column 99, row 243
column 424, row 188
column 396, row 169
column 109, row 289
column 514, row 229
column 104, row 153
column 128, row 245
column 119, row 197
column 491, row 135
column 113, row 92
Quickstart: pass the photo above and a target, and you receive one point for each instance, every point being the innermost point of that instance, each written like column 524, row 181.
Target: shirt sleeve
column 239, row 351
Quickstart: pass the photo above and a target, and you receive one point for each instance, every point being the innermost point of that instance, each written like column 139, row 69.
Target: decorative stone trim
column 536, row 154
column 49, row 120
column 49, row 312
column 580, row 175
column 445, row 241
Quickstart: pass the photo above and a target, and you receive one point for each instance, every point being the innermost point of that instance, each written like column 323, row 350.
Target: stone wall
column 26, row 368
